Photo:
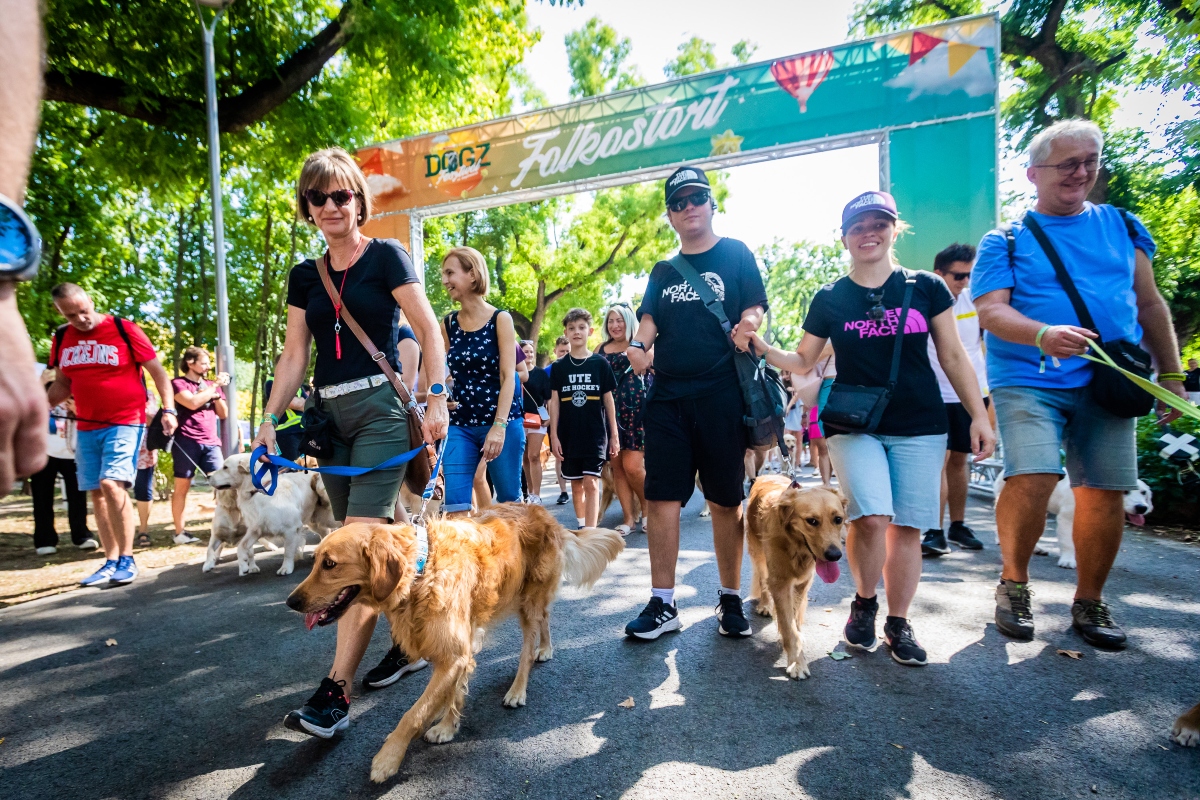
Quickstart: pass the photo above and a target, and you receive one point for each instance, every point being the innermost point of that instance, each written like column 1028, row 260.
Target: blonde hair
column 471, row 261
column 329, row 166
column 626, row 315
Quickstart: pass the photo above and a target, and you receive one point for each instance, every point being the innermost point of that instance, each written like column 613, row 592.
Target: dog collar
column 422, row 549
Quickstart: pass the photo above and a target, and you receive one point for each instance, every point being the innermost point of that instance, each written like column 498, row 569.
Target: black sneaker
column 731, row 619
column 934, row 543
column 1014, row 617
column 656, row 619
column 395, row 665
column 860, row 628
column 325, row 713
column 902, row 642
column 964, row 537
column 563, row 499
column 1093, row 622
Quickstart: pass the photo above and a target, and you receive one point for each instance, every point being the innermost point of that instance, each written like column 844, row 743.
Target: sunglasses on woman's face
column 695, row 199
column 877, row 312
column 316, row 198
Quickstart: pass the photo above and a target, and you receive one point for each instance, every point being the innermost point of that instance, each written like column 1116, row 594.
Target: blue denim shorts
column 107, row 454
column 464, row 448
column 1035, row 424
column 891, row 476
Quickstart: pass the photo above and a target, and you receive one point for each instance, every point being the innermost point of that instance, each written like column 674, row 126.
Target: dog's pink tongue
column 828, row 570
column 310, row 619
column 1137, row 519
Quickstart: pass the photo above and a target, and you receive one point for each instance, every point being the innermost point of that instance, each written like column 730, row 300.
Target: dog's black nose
column 1139, row 509
column 293, row 602
column 832, row 553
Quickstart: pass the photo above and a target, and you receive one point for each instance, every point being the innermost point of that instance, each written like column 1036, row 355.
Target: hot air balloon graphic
column 800, row 76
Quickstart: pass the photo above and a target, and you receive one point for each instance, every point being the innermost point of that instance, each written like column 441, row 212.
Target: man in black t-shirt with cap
column 693, row 418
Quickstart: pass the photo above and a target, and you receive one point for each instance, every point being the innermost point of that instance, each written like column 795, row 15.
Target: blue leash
column 259, row 470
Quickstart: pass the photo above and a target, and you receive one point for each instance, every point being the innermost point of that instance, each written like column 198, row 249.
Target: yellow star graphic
column 726, row 143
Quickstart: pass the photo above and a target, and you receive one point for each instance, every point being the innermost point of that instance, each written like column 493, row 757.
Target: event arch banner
column 847, row 94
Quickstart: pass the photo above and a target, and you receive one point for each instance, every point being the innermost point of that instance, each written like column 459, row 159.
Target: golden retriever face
column 350, row 561
column 814, row 519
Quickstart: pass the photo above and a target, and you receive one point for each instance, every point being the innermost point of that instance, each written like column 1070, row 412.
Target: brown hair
column 332, row 166
column 190, row 356
column 471, row 261
column 561, row 341
column 576, row 314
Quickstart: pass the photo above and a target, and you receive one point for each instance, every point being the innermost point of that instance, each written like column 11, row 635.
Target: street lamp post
column 225, row 357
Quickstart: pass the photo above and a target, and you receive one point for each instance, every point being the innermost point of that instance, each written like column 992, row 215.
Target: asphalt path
column 189, row 701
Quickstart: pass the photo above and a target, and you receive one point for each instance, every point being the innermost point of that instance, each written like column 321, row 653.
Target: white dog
column 1138, row 504
column 245, row 515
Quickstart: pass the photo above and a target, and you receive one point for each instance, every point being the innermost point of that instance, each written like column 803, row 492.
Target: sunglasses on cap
column 317, row 198
column 695, row 199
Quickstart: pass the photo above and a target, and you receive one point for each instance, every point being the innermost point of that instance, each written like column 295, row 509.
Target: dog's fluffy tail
column 587, row 552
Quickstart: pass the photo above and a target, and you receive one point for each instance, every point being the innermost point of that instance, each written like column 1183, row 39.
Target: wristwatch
column 20, row 243
column 638, row 345
column 436, row 390
column 171, row 411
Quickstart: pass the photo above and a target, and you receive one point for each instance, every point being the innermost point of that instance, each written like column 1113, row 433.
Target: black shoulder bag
column 858, row 409
column 1110, row 389
column 762, row 390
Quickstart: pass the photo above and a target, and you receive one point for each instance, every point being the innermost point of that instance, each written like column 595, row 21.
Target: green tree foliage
column 794, row 273
column 597, row 54
column 696, row 55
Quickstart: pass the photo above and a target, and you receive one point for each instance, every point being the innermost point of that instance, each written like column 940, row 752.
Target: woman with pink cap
column 888, row 449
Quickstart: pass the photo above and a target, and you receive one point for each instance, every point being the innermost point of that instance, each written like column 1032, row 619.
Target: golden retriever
column 792, row 532
column 510, row 559
column 1186, row 730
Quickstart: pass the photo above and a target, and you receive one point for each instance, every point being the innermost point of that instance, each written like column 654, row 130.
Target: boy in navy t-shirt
column 583, row 416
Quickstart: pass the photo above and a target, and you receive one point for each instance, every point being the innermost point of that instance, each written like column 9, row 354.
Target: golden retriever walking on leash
column 510, row 559
column 792, row 532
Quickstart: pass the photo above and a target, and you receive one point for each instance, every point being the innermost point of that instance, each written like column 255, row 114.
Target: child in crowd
column 583, row 416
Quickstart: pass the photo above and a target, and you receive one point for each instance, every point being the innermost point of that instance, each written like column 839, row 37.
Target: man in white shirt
column 954, row 266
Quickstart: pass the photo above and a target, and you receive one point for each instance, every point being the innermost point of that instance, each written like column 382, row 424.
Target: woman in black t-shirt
column 535, row 391
column 376, row 281
column 891, row 478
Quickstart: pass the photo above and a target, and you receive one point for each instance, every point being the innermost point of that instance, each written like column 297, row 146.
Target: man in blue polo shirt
column 1040, row 383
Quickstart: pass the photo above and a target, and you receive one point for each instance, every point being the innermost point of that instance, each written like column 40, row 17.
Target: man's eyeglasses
column 1067, row 168
column 695, row 199
column 877, row 312
column 958, row 276
column 316, row 198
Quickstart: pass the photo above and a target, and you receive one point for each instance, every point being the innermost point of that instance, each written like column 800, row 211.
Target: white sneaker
column 185, row 538
column 47, row 551
column 534, row 499
column 88, row 544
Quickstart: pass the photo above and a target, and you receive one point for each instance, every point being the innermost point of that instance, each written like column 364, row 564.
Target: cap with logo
column 683, row 178
column 868, row 201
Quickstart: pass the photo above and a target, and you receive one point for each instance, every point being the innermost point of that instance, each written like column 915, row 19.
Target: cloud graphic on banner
column 946, row 68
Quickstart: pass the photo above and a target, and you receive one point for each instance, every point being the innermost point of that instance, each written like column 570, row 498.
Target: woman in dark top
column 891, row 478
column 481, row 350
column 629, row 467
column 377, row 281
column 535, row 391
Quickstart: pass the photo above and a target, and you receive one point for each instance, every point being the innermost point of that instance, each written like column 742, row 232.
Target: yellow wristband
column 1037, row 340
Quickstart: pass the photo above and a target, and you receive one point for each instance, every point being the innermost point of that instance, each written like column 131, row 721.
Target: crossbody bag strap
column 376, row 354
column 701, row 287
column 908, row 293
column 1060, row 269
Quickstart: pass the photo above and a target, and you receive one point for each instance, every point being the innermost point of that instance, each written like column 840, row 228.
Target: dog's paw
column 1185, row 733
column 384, row 765
column 1040, row 551
column 208, row 566
column 248, row 569
column 1066, row 562
column 798, row 670
column 286, row 569
column 544, row 653
column 441, row 733
column 764, row 609
column 514, row 699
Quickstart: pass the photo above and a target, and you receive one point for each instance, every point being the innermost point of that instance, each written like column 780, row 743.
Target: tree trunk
column 260, row 331
column 539, row 314
column 177, row 294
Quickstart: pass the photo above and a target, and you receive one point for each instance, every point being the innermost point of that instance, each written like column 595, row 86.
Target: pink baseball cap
column 868, row 201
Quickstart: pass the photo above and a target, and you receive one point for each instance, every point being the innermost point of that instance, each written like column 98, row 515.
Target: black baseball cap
column 683, row 178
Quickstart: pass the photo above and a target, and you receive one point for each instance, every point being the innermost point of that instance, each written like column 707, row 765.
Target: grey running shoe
column 1014, row 617
column 1093, row 622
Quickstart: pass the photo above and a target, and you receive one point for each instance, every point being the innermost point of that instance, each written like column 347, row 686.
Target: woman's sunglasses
column 877, row 312
column 316, row 198
column 695, row 199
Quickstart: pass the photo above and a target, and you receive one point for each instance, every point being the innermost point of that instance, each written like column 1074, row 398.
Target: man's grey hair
column 1075, row 130
column 64, row 290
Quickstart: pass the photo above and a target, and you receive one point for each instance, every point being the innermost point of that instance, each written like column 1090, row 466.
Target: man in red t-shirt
column 100, row 360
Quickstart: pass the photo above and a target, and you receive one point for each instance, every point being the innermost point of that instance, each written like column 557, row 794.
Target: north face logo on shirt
column 684, row 293
column 89, row 352
column 867, row 328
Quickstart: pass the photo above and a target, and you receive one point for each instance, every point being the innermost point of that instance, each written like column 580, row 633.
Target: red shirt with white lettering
column 106, row 380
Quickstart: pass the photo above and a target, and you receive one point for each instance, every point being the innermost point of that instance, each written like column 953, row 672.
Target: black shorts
column 690, row 435
column 187, row 456
column 573, row 469
column 143, row 487
column 959, row 440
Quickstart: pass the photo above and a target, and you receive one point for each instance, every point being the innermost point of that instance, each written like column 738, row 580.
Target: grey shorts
column 1035, row 424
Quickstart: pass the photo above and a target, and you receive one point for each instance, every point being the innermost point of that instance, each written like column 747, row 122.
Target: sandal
column 143, row 540
column 624, row 530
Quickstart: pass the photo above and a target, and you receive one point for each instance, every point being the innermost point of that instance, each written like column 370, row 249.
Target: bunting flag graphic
column 945, row 59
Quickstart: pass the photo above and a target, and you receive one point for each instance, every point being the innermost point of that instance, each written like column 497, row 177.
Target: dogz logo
column 579, row 398
column 684, row 293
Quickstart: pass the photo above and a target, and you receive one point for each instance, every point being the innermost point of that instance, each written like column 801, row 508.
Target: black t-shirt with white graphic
column 840, row 312
column 582, row 423
column 692, row 354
